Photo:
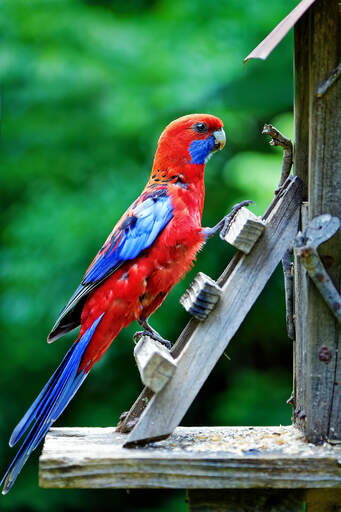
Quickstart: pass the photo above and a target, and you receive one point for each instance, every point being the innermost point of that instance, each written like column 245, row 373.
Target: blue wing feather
column 136, row 231
column 129, row 239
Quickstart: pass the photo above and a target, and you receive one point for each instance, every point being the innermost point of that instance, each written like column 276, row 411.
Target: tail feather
column 34, row 410
column 48, row 406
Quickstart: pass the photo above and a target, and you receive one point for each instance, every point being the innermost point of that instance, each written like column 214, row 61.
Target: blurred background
column 87, row 87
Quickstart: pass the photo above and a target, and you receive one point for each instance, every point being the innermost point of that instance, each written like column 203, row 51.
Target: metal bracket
column 320, row 229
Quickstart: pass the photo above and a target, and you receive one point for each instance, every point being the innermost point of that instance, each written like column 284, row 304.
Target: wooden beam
column 245, row 500
column 191, row 458
column 322, row 500
column 274, row 500
column 244, row 280
column 318, row 396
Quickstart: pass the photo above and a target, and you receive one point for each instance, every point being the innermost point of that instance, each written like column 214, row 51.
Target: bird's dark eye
column 200, row 127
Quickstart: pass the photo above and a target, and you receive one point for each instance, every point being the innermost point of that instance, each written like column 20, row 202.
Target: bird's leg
column 224, row 225
column 152, row 333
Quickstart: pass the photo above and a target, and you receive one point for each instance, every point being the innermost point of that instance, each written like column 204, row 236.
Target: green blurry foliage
column 256, row 395
column 87, row 87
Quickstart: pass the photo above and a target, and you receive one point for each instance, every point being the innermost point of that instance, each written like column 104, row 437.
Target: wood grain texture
column 208, row 340
column 155, row 363
column 301, row 282
column 301, row 104
column 244, row 230
column 192, row 458
column 321, row 401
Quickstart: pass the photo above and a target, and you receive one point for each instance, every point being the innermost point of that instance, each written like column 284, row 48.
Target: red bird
column 151, row 247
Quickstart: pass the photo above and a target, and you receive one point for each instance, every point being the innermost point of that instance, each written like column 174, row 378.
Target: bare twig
column 278, row 139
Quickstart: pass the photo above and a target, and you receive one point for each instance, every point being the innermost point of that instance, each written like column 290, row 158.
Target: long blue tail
column 48, row 406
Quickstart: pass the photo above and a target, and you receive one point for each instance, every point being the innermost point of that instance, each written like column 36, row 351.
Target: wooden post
column 318, row 149
column 301, row 105
column 260, row 500
column 245, row 500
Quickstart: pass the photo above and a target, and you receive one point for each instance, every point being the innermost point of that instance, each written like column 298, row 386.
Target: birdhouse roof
column 263, row 50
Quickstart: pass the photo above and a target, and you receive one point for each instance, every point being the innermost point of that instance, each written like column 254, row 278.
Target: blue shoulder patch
column 136, row 233
column 200, row 149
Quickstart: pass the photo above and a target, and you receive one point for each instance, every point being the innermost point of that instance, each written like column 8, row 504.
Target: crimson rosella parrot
column 151, row 247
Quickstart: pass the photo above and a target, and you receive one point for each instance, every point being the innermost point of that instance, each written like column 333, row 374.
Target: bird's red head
column 189, row 141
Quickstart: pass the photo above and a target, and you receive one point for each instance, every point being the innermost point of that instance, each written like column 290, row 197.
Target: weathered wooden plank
column 192, row 458
column 208, row 341
column 155, row 363
column 301, row 282
column 301, row 164
column 245, row 500
column 321, row 403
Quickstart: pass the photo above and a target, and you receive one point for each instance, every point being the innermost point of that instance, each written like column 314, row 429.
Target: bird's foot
column 224, row 225
column 154, row 335
column 229, row 218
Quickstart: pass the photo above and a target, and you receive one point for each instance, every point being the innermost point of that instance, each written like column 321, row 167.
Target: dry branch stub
column 320, row 229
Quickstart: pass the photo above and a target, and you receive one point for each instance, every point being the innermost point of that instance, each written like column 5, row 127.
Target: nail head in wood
column 201, row 297
column 155, row 364
column 245, row 230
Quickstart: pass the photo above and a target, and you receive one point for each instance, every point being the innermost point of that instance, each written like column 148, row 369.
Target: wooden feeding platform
column 190, row 458
column 247, row 469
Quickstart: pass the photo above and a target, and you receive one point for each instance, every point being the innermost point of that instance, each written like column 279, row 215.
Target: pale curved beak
column 220, row 139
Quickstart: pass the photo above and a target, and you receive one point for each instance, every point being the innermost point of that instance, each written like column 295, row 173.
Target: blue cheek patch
column 200, row 149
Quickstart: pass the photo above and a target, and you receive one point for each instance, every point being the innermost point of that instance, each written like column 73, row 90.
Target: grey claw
column 154, row 336
column 229, row 218
column 139, row 335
